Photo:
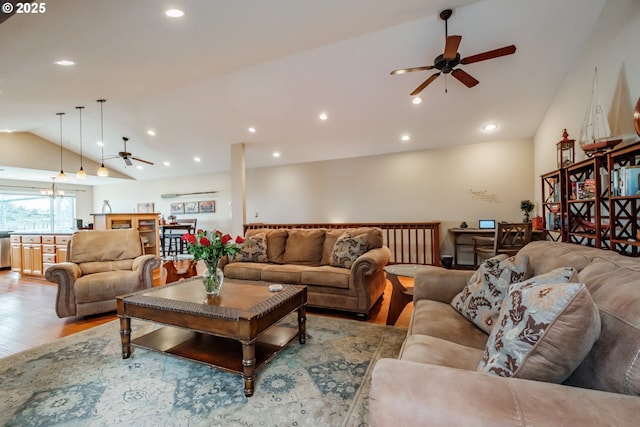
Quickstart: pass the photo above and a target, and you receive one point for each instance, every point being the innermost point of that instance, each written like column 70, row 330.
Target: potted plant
column 526, row 206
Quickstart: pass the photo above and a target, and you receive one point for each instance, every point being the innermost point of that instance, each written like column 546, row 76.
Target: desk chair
column 509, row 239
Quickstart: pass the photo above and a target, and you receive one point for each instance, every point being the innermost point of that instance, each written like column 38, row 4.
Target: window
column 36, row 212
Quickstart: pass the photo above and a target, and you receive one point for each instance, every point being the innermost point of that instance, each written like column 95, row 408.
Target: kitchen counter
column 43, row 232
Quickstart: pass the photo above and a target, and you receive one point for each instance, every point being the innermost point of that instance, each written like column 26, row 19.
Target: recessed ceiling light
column 276, row 154
column 323, row 116
column 252, row 130
column 405, row 137
column 174, row 13
column 6, row 130
column 196, row 159
column 99, row 143
column 166, row 163
column 151, row 132
column 139, row 167
column 65, row 62
column 416, row 100
column 489, row 127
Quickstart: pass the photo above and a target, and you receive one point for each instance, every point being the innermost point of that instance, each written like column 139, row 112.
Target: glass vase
column 213, row 277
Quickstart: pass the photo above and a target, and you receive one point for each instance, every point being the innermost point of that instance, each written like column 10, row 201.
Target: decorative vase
column 213, row 277
column 106, row 207
column 526, row 217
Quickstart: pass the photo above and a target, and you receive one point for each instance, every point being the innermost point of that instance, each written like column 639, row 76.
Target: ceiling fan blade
column 128, row 161
column 409, row 70
column 464, row 77
column 143, row 161
column 424, row 84
column 451, row 47
column 507, row 50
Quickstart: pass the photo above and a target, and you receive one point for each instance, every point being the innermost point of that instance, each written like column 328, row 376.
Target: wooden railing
column 409, row 242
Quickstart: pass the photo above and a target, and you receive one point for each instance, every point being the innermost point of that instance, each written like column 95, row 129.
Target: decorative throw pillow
column 254, row 249
column 544, row 332
column 347, row 249
column 481, row 299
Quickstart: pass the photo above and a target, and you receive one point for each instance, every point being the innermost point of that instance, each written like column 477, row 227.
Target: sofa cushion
column 276, row 240
column 253, row 249
column 304, row 247
column 244, row 270
column 426, row 349
column 331, row 236
column 105, row 245
column 347, row 249
column 106, row 285
column 440, row 320
column 543, row 333
column 285, row 273
column 326, row 275
column 102, row 266
column 481, row 299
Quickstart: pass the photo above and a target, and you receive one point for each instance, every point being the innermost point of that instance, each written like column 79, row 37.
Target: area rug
column 82, row 380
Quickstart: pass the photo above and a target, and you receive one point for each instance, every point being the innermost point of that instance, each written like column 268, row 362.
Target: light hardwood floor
column 28, row 317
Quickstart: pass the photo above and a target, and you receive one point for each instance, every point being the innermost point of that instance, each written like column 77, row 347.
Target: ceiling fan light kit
column 447, row 62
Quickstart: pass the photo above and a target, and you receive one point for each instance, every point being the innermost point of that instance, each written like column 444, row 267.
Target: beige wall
column 613, row 49
column 432, row 185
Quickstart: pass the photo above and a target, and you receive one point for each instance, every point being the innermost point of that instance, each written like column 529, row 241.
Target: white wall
column 613, row 49
column 432, row 185
column 125, row 197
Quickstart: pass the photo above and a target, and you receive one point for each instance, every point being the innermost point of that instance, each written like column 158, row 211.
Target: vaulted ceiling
column 201, row 81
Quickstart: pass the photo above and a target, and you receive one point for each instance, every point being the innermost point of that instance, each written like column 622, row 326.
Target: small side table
column 400, row 295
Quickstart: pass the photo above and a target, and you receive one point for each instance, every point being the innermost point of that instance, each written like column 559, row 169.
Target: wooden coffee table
column 234, row 331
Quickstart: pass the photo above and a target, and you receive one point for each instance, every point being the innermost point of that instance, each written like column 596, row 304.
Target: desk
column 464, row 237
column 171, row 228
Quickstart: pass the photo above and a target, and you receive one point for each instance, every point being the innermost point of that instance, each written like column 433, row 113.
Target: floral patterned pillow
column 347, row 249
column 481, row 299
column 253, row 249
column 543, row 333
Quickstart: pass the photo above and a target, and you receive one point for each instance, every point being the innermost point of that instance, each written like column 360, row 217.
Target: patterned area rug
column 81, row 380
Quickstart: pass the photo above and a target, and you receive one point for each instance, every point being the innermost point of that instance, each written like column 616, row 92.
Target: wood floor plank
column 28, row 317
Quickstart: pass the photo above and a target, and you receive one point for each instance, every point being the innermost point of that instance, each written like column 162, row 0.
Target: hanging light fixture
column 102, row 171
column 81, row 174
column 61, row 175
column 53, row 193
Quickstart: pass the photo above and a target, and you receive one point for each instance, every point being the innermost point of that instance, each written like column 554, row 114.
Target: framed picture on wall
column 177, row 208
column 207, row 206
column 145, row 207
column 191, row 207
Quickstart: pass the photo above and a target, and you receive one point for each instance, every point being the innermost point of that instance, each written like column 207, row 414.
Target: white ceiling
column 202, row 80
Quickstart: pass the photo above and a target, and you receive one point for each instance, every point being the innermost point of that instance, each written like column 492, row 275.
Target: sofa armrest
column 439, row 284
column 417, row 394
column 144, row 265
column 65, row 275
column 372, row 261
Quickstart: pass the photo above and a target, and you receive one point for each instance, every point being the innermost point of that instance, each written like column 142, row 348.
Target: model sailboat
column 596, row 134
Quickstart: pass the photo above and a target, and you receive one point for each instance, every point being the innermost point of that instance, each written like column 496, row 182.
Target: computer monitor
column 484, row 224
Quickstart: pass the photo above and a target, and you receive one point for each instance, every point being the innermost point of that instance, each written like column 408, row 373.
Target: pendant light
column 61, row 175
column 81, row 174
column 102, row 171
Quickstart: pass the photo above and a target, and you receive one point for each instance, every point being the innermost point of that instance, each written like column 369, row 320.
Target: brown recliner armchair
column 100, row 266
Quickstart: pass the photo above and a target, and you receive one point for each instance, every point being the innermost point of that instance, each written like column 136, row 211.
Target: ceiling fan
column 450, row 59
column 127, row 156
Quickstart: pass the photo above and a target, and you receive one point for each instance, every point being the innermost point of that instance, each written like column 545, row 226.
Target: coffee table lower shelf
column 220, row 352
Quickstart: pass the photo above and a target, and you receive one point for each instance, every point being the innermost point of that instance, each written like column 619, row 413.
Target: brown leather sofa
column 435, row 380
column 101, row 265
column 303, row 257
